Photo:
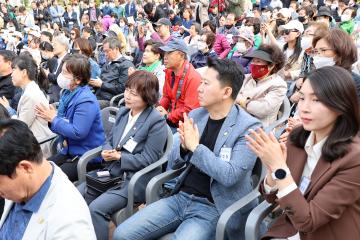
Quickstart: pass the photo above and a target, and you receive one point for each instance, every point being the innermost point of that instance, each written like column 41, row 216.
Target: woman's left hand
column 4, row 102
column 268, row 149
column 47, row 114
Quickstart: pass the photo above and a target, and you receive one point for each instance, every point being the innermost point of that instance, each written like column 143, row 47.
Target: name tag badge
column 225, row 154
column 130, row 145
column 112, row 119
column 304, row 184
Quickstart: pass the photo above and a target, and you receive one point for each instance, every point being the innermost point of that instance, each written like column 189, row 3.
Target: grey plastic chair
column 108, row 117
column 114, row 102
column 153, row 191
column 126, row 212
column 284, row 113
column 255, row 218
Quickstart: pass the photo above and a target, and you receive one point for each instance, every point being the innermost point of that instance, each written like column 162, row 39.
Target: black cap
column 324, row 11
column 260, row 54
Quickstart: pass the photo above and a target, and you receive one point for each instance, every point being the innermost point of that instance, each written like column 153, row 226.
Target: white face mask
column 11, row 29
column 122, row 24
column 240, row 47
column 306, row 42
column 63, row 81
column 201, row 46
column 320, row 61
column 112, row 5
column 345, row 18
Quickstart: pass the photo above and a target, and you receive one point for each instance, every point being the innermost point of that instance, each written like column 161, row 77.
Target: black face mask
column 301, row 18
column 228, row 26
column 280, row 22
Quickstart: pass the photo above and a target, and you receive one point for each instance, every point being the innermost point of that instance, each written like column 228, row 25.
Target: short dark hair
column 335, row 88
column 146, row 84
column 8, row 55
column 79, row 66
column 276, row 55
column 229, row 74
column 155, row 47
column 84, row 45
column 46, row 46
column 255, row 22
column 48, row 34
column 13, row 151
column 211, row 26
column 148, row 8
column 87, row 29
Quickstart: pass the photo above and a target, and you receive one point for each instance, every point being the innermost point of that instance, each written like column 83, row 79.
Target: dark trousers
column 68, row 165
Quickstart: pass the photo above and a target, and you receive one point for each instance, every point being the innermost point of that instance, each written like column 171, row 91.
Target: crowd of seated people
column 204, row 88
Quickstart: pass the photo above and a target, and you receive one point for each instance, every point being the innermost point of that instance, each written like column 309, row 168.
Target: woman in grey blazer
column 136, row 141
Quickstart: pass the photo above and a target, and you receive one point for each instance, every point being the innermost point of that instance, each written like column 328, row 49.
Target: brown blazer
column 330, row 207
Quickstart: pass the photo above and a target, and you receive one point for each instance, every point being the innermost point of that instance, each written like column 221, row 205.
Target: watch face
column 280, row 173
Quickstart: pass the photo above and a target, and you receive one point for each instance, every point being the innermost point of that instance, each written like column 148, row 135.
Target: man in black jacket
column 7, row 88
column 114, row 73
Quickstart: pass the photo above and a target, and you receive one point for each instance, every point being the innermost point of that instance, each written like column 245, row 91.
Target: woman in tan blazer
column 264, row 91
column 26, row 76
column 315, row 179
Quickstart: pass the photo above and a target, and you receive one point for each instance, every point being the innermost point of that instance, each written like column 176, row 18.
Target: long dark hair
column 27, row 62
column 335, row 88
column 297, row 51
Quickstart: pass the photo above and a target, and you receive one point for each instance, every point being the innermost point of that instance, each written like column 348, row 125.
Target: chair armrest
column 231, row 210
column 113, row 99
column 84, row 160
column 47, row 139
column 252, row 226
column 156, row 182
column 131, row 187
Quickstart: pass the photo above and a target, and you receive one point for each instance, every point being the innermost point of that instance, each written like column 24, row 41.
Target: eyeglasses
column 72, row 33
column 320, row 51
column 288, row 31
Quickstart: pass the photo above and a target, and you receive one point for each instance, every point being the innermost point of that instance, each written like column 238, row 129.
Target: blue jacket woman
column 78, row 119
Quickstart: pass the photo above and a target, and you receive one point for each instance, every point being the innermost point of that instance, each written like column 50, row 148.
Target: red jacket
column 188, row 99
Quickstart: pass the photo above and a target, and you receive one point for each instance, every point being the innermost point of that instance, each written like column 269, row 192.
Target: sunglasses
column 288, row 31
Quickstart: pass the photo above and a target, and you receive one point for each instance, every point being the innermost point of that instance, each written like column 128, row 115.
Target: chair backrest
column 258, row 173
column 116, row 99
column 108, row 117
column 284, row 113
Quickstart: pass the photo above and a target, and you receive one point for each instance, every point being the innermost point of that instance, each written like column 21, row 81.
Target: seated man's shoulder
column 245, row 121
column 198, row 113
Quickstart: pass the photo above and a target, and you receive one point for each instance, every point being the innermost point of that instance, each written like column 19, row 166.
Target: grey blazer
column 150, row 133
column 230, row 180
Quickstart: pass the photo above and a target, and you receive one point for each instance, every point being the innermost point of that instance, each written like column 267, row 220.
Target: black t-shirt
column 197, row 182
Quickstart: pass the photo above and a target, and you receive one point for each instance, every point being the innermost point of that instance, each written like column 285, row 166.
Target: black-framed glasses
column 288, row 31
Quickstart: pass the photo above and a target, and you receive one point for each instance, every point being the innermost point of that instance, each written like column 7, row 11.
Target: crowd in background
column 63, row 63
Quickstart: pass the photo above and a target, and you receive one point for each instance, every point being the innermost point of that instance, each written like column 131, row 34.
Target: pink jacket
column 221, row 46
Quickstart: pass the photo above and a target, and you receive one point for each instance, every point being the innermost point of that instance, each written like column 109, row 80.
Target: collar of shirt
column 313, row 152
column 310, row 147
column 34, row 203
column 132, row 119
column 117, row 59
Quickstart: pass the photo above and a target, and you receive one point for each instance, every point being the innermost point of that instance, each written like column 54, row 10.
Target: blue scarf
column 65, row 100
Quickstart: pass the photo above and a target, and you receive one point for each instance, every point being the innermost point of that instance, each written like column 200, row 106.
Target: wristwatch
column 280, row 173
